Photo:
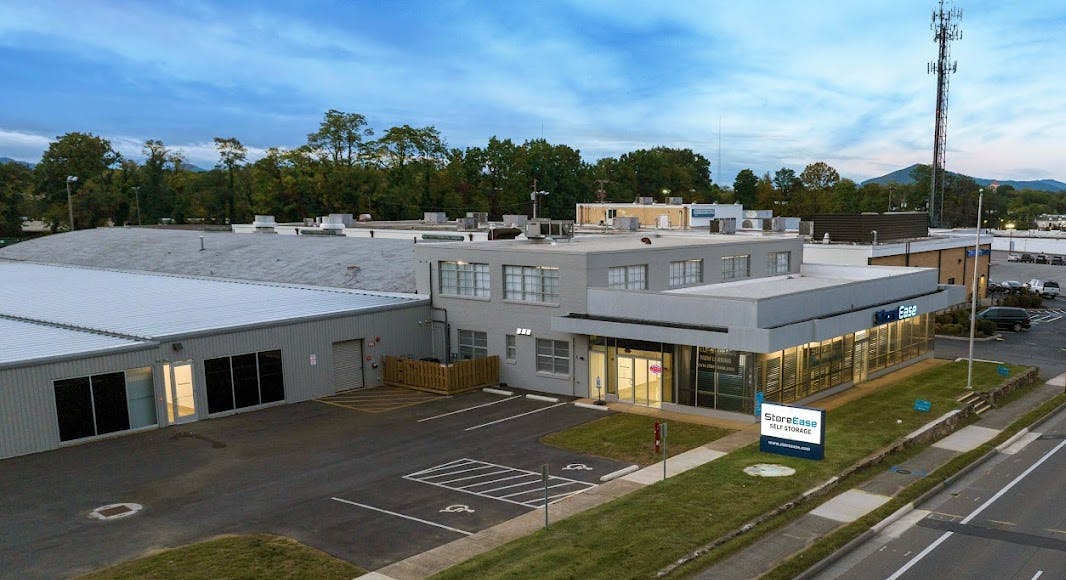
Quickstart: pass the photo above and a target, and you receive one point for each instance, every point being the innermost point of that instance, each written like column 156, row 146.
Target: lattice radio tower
column 945, row 28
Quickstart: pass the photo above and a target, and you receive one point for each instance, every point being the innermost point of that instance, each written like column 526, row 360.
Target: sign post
column 544, row 476
column 792, row 431
column 658, row 436
column 664, row 451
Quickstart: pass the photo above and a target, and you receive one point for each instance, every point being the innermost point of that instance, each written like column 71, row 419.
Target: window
column 778, row 263
column 473, row 344
column 628, row 277
column 511, row 349
column 531, row 283
column 463, row 279
column 244, row 380
column 105, row 403
column 553, row 356
column 734, row 267
column 685, row 273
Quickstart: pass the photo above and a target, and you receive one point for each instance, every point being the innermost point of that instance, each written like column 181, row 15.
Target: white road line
column 480, row 475
column 539, row 488
column 1038, row 574
column 451, row 473
column 427, row 522
column 975, row 512
column 505, row 486
column 514, row 416
column 445, row 466
column 471, row 408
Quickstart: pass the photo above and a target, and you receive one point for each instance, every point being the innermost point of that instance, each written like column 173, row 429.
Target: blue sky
column 790, row 82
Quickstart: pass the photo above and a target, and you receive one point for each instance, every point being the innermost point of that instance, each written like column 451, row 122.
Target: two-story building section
column 716, row 323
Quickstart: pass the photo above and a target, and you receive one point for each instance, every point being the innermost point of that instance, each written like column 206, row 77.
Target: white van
column 1045, row 288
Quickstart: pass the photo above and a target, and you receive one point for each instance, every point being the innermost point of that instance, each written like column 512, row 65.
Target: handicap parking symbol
column 577, row 467
column 457, row 508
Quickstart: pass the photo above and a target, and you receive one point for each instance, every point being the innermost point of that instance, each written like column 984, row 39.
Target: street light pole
column 70, row 203
column 137, row 197
column 973, row 291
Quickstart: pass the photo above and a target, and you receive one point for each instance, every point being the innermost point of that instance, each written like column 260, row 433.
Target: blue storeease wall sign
column 903, row 312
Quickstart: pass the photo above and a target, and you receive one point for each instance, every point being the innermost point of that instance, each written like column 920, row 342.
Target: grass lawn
column 254, row 556
column 629, row 437
column 643, row 532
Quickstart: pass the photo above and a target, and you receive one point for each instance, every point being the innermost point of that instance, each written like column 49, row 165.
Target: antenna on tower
column 945, row 29
column 601, row 193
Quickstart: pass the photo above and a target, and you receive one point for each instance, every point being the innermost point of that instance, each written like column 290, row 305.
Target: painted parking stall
column 502, row 483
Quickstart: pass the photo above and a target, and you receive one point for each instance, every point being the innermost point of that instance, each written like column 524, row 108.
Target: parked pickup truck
column 1045, row 288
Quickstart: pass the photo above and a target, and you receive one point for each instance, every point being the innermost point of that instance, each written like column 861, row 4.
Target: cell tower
column 945, row 28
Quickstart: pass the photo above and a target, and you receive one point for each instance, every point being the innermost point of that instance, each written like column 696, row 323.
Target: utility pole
column 137, row 198
column 601, row 193
column 945, row 29
column 70, row 200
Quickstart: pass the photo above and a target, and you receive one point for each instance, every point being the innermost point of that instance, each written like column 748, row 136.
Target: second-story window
column 531, row 283
column 778, row 263
column 464, row 279
column 736, row 267
column 686, row 273
column 629, row 277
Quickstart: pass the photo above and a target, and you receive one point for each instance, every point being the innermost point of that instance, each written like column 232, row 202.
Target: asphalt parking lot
column 372, row 488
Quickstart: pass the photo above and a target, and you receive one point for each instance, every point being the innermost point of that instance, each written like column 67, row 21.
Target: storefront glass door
column 639, row 380
column 180, row 395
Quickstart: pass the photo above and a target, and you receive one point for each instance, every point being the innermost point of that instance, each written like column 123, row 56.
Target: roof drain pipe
column 447, row 330
column 874, row 232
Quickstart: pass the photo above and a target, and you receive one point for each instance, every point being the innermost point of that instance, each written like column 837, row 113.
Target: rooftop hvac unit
column 626, row 223
column 767, row 225
column 481, row 217
column 645, row 200
column 724, row 226
column 674, row 200
column 518, row 221
column 332, row 222
column 434, row 217
column 806, row 228
column 555, row 229
column 778, row 224
column 344, row 218
column 264, row 223
column 466, row 223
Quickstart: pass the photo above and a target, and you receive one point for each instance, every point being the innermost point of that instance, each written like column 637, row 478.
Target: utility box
column 723, row 226
column 627, row 223
column 466, row 223
column 434, row 217
column 516, row 220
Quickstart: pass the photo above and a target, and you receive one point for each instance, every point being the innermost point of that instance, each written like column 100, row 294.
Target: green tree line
column 347, row 167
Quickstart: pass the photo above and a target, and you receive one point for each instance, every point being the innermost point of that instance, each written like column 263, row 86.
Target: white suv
column 1045, row 288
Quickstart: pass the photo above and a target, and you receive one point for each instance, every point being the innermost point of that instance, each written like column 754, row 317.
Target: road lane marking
column 513, row 482
column 471, row 408
column 1038, row 574
column 974, row 513
column 515, row 416
column 412, row 518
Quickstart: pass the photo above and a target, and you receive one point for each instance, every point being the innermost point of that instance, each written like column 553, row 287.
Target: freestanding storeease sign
column 794, row 431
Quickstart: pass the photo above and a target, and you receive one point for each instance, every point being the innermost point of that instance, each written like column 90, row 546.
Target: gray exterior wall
column 28, row 420
column 578, row 271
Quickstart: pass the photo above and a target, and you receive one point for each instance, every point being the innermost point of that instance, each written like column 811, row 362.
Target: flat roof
column 23, row 342
column 605, row 243
column 151, row 306
column 810, row 277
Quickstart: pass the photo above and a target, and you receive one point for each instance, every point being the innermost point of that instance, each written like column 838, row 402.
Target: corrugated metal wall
column 27, row 402
column 859, row 228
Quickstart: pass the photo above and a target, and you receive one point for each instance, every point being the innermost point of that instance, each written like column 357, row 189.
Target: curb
column 497, row 391
column 543, row 398
column 620, row 473
column 855, row 542
column 592, row 406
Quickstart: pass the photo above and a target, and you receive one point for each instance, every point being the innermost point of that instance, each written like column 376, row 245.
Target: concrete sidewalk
column 765, row 554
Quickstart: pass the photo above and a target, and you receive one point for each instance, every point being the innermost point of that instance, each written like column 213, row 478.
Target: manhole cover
column 769, row 470
column 115, row 511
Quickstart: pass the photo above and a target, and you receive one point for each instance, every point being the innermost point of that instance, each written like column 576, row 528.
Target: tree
column 819, row 177
column 155, row 199
column 82, row 155
column 744, row 188
column 786, row 182
column 339, row 139
column 16, row 186
column 231, row 153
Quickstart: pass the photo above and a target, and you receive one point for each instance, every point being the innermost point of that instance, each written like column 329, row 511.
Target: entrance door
column 348, row 365
column 180, row 394
column 639, row 380
column 597, row 374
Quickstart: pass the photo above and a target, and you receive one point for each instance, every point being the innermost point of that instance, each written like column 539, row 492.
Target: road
column 1006, row 519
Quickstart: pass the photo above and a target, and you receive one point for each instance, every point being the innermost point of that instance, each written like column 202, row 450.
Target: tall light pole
column 137, row 197
column 533, row 196
column 1010, row 236
column 70, row 203
column 973, row 290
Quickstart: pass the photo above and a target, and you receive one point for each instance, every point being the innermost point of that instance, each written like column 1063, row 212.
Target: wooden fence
column 441, row 378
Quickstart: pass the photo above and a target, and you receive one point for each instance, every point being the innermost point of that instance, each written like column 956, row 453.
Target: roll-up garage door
column 348, row 365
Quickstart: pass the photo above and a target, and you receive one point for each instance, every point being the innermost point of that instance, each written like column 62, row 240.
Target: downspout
column 447, row 330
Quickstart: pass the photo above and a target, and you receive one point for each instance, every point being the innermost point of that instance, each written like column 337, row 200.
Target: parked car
column 1006, row 286
column 1057, row 261
column 1028, row 258
column 1041, row 259
column 1014, row 258
column 1006, row 317
column 1045, row 288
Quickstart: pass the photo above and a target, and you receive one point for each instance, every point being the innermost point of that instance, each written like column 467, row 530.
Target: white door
column 348, row 365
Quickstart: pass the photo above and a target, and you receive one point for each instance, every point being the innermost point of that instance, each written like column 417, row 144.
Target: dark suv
column 1006, row 317
column 1041, row 259
column 1028, row 258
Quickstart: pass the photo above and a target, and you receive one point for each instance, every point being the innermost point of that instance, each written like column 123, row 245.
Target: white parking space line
column 471, row 408
column 515, row 416
column 528, row 484
column 412, row 518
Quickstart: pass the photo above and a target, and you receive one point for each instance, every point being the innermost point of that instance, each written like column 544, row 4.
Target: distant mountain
column 10, row 160
column 903, row 177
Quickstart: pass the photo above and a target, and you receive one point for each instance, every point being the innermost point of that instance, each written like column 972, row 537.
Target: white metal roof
column 21, row 342
column 155, row 306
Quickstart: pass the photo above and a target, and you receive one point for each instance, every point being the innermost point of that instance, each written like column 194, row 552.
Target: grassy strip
column 648, row 529
column 836, row 540
column 628, row 437
column 253, row 556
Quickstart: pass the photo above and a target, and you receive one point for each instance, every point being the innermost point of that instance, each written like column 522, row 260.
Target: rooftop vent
column 645, row 200
column 675, row 201
column 555, row 229
column 434, row 217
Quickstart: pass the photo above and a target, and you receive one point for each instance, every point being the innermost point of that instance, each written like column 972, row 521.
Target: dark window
column 219, row 385
column 109, row 400
column 74, row 408
column 245, row 380
column 271, row 380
